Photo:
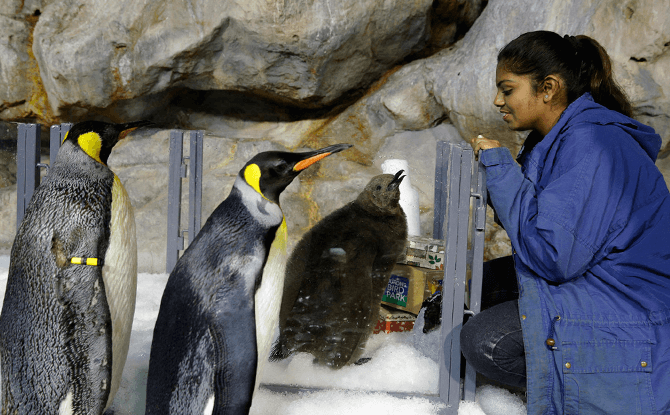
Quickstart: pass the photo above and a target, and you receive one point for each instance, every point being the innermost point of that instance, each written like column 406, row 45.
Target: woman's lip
column 506, row 116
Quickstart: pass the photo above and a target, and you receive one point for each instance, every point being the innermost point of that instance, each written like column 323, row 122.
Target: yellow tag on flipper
column 93, row 262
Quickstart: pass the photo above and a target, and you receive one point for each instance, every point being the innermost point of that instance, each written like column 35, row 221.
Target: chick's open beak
column 397, row 179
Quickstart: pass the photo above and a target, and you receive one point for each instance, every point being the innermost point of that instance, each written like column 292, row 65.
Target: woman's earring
column 546, row 97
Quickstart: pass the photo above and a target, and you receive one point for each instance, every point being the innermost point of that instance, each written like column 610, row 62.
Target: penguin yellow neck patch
column 282, row 235
column 91, row 143
column 252, row 175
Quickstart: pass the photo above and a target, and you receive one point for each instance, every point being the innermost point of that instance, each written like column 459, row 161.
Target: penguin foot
column 362, row 361
column 432, row 316
column 278, row 352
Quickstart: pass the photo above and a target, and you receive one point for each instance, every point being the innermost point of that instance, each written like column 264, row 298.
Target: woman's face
column 518, row 101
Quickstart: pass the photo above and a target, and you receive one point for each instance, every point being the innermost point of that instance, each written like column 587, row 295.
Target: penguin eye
column 379, row 187
column 281, row 167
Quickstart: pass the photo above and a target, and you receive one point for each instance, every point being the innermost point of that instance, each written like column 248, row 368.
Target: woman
column 588, row 216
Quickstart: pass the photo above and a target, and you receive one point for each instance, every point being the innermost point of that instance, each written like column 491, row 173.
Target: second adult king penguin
column 204, row 351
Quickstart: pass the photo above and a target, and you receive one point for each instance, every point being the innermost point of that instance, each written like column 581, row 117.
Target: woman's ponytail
column 599, row 80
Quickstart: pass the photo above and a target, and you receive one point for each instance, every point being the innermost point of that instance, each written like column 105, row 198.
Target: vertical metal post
column 175, row 240
column 441, row 182
column 177, row 167
column 56, row 137
column 477, row 229
column 20, row 174
column 449, row 386
column 27, row 171
column 195, row 184
column 461, row 269
column 458, row 183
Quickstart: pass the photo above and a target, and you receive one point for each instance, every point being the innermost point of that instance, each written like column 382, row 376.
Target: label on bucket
column 397, row 291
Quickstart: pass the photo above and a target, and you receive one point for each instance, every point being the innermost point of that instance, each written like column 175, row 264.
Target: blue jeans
column 492, row 340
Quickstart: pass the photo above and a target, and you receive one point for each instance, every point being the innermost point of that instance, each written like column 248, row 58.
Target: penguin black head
column 382, row 194
column 270, row 172
column 97, row 138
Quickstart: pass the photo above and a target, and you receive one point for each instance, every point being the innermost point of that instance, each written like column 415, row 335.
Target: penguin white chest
column 120, row 278
column 268, row 298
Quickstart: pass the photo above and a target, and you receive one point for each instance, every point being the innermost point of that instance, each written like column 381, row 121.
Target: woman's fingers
column 482, row 143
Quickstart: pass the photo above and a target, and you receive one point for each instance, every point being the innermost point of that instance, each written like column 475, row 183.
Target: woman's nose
column 498, row 101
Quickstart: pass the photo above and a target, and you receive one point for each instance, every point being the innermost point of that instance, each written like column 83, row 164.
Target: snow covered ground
column 402, row 362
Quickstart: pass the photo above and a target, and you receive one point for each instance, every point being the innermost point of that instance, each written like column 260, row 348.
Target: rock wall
column 98, row 54
column 391, row 77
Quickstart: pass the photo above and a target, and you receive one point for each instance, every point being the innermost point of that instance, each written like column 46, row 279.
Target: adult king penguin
column 70, row 298
column 337, row 273
column 204, row 351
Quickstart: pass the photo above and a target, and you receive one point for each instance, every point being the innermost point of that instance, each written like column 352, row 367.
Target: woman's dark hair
column 580, row 61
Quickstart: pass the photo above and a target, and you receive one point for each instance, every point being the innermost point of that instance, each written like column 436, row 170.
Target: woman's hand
column 482, row 143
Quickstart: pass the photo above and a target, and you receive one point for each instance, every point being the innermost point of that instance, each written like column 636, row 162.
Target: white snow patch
column 497, row 401
column 401, row 362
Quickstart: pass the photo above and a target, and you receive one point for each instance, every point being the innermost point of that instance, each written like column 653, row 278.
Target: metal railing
column 28, row 178
column 28, row 161
column 458, row 182
column 178, row 170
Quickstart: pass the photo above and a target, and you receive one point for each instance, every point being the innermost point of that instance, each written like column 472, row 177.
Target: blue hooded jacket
column 588, row 215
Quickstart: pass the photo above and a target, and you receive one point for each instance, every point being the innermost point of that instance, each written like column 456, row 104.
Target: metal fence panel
column 195, row 184
column 27, row 170
column 457, row 181
column 178, row 170
column 476, row 260
column 56, row 137
column 28, row 178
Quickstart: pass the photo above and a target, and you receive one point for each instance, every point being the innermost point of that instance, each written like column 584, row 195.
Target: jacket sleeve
column 543, row 226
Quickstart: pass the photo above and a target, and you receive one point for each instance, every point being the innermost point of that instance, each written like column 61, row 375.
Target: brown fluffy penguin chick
column 337, row 274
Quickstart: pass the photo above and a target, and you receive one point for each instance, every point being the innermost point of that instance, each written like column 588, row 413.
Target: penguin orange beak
column 314, row 156
column 125, row 133
column 132, row 126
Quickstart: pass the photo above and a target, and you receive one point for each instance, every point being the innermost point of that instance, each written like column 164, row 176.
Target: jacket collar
column 585, row 109
column 536, row 147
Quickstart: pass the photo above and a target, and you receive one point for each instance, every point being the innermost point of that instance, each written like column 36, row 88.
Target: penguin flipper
column 334, row 313
column 279, row 351
column 346, row 350
column 88, row 341
column 69, row 361
column 236, row 355
column 195, row 388
column 181, row 363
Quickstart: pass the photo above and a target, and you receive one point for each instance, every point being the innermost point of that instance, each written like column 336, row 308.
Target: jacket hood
column 584, row 109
